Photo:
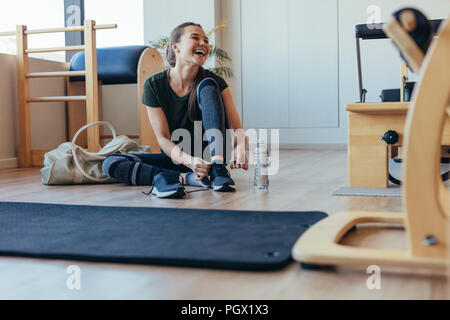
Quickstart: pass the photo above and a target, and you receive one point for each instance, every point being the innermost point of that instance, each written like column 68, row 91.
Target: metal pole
column 362, row 91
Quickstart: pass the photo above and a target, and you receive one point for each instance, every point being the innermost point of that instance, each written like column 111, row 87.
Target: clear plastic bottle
column 261, row 157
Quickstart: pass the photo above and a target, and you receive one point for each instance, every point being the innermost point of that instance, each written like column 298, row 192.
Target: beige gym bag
column 71, row 164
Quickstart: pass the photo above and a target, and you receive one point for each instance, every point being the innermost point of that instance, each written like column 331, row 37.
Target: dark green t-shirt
column 157, row 93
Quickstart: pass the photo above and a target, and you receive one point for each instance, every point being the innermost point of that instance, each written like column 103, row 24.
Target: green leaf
column 221, row 55
column 224, row 72
column 160, row 43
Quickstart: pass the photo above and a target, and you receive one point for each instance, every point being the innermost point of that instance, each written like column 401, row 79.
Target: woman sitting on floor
column 175, row 98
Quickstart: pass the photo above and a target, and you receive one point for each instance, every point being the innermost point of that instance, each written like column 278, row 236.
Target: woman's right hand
column 200, row 167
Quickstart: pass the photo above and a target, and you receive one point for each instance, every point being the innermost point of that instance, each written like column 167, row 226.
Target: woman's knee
column 208, row 82
column 207, row 88
column 111, row 162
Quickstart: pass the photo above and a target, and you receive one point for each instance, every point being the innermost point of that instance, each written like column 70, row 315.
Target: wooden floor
column 304, row 182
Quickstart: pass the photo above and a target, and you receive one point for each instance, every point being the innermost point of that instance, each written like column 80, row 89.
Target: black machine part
column 422, row 32
column 393, row 95
column 395, row 170
column 390, row 95
column 391, row 137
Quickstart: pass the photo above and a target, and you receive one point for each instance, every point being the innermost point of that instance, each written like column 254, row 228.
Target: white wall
column 229, row 12
column 289, row 72
column 8, row 119
column 48, row 123
column 127, row 15
column 35, row 15
column 160, row 17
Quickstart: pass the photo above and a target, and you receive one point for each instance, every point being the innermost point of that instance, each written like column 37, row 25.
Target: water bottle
column 261, row 156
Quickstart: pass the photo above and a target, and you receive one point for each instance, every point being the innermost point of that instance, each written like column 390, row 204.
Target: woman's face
column 193, row 47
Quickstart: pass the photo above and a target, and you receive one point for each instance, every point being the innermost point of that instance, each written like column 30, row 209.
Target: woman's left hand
column 239, row 159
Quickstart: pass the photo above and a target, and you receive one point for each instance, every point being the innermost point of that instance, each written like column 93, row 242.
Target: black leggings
column 139, row 169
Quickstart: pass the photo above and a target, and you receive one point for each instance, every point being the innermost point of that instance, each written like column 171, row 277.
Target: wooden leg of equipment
column 92, row 113
column 76, row 111
column 367, row 153
column 426, row 199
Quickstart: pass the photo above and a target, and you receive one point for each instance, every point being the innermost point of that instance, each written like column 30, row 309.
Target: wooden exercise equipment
column 426, row 199
column 368, row 154
column 150, row 62
column 23, row 76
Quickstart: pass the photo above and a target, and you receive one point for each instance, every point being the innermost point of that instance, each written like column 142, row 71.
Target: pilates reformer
column 376, row 129
column 426, row 199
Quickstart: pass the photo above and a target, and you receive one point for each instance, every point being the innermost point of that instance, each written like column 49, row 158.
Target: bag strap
column 96, row 123
column 78, row 149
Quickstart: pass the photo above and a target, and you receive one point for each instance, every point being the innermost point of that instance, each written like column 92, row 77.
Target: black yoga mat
column 225, row 239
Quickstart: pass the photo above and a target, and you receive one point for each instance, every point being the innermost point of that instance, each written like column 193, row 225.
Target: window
column 35, row 15
column 128, row 15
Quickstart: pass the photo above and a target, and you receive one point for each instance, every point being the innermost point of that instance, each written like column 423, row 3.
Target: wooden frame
column 24, row 153
column 76, row 111
column 368, row 155
column 426, row 199
column 150, row 63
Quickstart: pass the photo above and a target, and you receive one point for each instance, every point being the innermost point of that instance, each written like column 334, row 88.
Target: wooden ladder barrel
column 23, row 75
column 426, row 199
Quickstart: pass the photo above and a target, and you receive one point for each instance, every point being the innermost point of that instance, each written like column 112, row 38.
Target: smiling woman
column 177, row 98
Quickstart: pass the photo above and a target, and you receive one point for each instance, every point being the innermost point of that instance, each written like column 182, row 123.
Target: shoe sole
column 168, row 194
column 224, row 188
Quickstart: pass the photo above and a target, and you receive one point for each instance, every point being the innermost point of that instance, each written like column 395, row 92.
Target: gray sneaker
column 166, row 184
column 221, row 178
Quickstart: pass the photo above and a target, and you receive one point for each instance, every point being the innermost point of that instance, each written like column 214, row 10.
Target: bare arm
column 160, row 126
column 231, row 113
column 234, row 122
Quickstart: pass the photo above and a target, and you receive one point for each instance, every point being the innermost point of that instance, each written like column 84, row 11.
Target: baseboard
column 10, row 163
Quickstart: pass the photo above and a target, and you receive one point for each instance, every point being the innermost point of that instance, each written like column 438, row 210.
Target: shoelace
column 168, row 177
column 172, row 178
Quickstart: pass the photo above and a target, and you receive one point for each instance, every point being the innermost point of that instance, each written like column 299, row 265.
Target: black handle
column 391, row 137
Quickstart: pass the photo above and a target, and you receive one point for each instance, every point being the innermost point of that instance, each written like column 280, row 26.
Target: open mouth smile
column 200, row 52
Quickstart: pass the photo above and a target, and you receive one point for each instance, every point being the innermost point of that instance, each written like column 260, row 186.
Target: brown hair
column 175, row 37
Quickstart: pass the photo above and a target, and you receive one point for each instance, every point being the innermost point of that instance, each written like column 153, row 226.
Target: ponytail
column 193, row 109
